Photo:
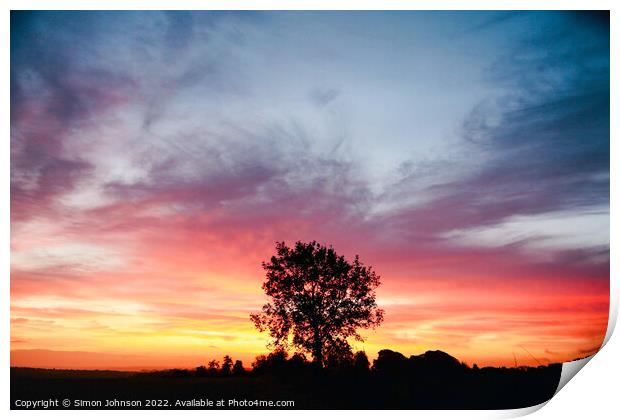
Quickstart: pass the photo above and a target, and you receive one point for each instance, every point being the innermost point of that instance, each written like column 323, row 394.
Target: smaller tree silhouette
column 227, row 366
column 213, row 367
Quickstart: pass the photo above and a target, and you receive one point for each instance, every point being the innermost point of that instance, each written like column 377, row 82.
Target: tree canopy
column 318, row 300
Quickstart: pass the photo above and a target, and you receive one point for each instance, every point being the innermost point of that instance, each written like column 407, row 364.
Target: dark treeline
column 430, row 380
column 433, row 380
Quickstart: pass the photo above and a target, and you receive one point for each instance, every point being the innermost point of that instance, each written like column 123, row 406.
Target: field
column 393, row 383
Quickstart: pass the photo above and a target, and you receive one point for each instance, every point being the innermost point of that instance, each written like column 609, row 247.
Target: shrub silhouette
column 201, row 371
column 238, row 369
column 274, row 362
column 361, row 364
column 339, row 360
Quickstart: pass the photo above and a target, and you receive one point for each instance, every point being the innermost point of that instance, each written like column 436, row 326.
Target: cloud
column 53, row 97
column 542, row 147
column 322, row 97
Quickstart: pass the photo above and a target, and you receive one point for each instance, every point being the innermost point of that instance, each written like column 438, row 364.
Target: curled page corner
column 518, row 412
column 570, row 369
column 613, row 316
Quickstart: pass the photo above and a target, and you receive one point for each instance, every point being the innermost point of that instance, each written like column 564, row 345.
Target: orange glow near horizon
column 157, row 316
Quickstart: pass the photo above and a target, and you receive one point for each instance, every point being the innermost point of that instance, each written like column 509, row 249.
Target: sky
column 156, row 158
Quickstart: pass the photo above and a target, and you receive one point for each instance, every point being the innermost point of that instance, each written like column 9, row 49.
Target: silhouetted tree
column 319, row 299
column 238, row 368
column 227, row 366
column 214, row 367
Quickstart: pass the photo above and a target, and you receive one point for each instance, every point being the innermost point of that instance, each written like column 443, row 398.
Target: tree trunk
column 317, row 350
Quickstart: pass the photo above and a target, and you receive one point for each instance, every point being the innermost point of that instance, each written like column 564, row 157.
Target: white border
column 575, row 400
